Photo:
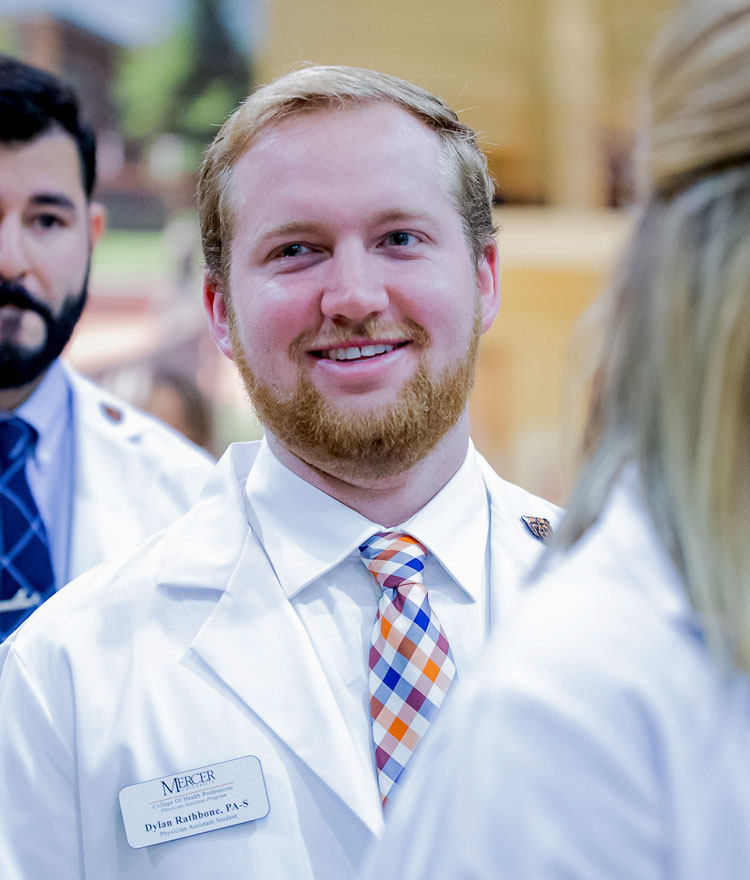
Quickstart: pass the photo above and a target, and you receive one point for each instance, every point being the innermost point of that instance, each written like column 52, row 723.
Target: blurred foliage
column 128, row 254
column 187, row 84
column 8, row 42
column 146, row 82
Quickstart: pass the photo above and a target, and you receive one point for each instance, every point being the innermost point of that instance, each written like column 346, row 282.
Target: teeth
column 354, row 352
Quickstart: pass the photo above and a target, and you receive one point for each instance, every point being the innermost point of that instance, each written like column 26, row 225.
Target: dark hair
column 33, row 102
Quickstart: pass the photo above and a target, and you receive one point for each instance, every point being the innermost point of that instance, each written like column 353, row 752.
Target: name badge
column 194, row 801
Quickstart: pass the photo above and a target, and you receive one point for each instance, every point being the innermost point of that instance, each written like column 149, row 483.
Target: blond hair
column 320, row 87
column 672, row 389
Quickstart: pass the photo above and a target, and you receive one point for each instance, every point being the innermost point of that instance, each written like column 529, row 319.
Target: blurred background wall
column 551, row 85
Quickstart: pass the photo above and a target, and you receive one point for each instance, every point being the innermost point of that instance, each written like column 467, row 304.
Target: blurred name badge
column 194, row 801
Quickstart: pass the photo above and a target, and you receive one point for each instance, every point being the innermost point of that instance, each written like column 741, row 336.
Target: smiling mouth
column 356, row 352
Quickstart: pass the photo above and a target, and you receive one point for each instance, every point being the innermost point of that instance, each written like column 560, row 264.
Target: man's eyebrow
column 302, row 227
column 53, row 199
column 293, row 227
column 401, row 215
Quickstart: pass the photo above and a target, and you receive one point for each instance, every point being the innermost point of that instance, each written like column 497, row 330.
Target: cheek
column 266, row 327
column 447, row 314
column 62, row 268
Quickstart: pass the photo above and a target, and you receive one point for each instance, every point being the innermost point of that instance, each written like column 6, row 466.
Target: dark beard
column 19, row 365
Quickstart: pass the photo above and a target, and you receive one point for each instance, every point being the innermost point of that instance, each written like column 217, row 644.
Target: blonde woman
column 607, row 734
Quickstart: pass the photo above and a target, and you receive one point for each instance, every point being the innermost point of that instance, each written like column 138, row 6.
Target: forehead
column 46, row 164
column 376, row 152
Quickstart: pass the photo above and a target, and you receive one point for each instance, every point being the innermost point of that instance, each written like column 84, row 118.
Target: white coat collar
column 253, row 642
column 100, row 428
column 515, row 550
column 96, row 410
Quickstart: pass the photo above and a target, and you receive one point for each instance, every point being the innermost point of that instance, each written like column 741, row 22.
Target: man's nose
column 353, row 287
column 13, row 255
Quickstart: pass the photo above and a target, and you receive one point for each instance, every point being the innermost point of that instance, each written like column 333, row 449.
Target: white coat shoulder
column 597, row 738
column 134, row 433
column 133, row 475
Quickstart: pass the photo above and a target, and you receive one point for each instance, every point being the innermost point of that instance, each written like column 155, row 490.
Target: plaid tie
column 411, row 666
column 26, row 577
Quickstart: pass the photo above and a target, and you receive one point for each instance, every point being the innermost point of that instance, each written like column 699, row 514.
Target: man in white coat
column 239, row 695
column 81, row 474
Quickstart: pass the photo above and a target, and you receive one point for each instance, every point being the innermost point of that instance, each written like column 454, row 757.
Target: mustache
column 373, row 328
column 12, row 293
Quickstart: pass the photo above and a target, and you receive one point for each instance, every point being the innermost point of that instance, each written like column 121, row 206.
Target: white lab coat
column 598, row 738
column 132, row 475
column 182, row 654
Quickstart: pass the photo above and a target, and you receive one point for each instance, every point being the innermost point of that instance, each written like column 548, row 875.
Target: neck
column 385, row 499
column 12, row 398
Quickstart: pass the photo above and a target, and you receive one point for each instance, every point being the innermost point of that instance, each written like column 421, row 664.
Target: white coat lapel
column 255, row 644
column 513, row 549
column 506, row 568
column 99, row 529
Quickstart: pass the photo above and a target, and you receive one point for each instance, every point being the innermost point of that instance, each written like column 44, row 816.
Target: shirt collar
column 46, row 407
column 454, row 525
column 306, row 532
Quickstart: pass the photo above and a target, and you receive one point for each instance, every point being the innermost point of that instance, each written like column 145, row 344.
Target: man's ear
column 216, row 308
column 488, row 284
column 97, row 222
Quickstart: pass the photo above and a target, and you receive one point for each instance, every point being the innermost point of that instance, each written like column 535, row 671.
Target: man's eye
column 293, row 250
column 47, row 221
column 400, row 238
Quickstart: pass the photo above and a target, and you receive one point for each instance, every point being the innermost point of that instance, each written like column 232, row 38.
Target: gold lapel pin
column 539, row 527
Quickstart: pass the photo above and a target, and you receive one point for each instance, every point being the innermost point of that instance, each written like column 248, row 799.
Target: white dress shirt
column 312, row 541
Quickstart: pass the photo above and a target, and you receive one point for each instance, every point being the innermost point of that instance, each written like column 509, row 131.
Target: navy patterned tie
column 26, row 577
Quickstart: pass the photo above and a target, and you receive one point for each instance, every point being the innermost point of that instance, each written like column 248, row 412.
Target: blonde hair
column 672, row 388
column 320, row 87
